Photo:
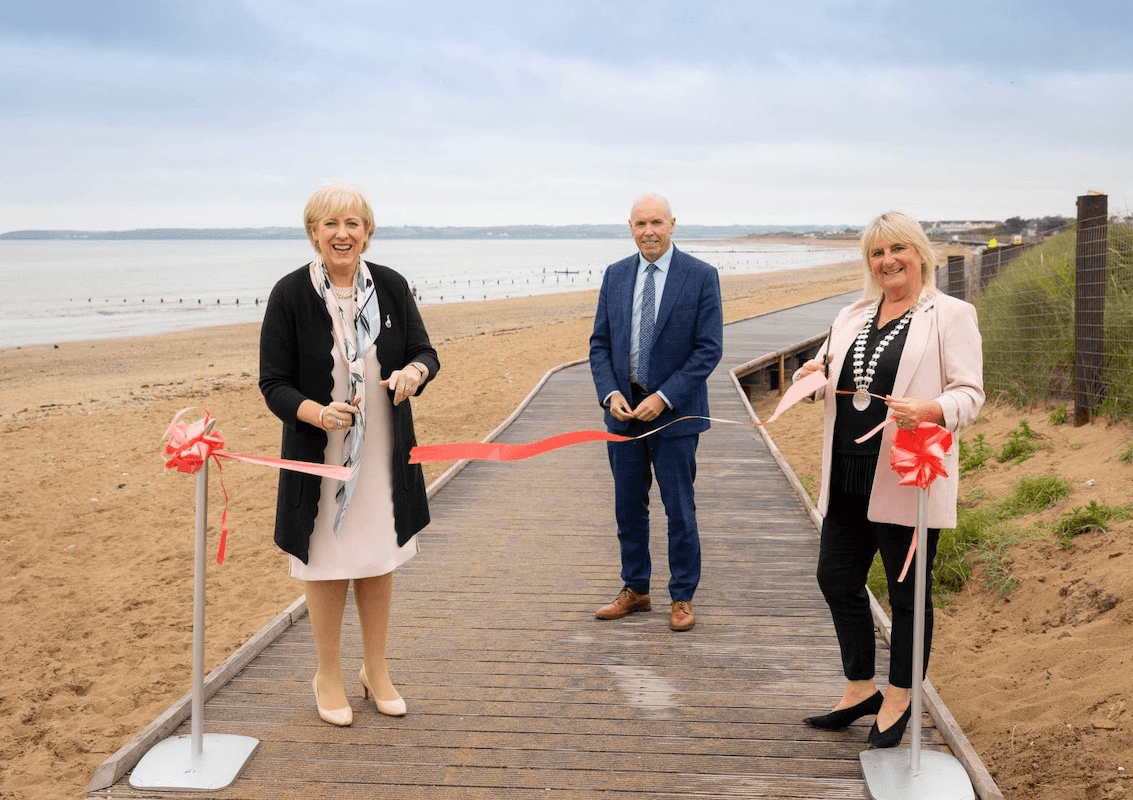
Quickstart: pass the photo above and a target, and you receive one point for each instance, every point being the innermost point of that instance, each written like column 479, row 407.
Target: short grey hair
column 652, row 196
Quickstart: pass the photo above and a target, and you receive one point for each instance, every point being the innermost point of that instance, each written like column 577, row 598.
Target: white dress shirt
column 659, row 276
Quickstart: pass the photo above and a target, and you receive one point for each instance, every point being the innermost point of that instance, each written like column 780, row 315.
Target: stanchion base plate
column 170, row 764
column 889, row 776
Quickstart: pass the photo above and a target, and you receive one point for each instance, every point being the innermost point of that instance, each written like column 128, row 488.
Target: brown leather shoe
column 626, row 602
column 682, row 617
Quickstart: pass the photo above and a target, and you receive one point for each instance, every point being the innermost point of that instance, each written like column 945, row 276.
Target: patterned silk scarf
column 353, row 339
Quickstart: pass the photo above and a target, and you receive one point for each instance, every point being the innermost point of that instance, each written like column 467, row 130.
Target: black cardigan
column 296, row 341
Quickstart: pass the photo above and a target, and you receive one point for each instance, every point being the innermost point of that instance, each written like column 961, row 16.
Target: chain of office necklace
column 862, row 397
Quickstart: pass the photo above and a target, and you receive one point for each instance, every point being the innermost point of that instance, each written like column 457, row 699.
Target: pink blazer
column 943, row 361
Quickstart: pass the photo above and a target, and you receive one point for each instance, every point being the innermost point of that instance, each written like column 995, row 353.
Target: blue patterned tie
column 645, row 334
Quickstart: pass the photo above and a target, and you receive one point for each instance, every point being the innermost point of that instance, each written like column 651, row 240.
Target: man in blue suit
column 658, row 334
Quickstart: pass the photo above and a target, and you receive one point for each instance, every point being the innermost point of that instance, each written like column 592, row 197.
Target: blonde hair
column 897, row 226
column 330, row 201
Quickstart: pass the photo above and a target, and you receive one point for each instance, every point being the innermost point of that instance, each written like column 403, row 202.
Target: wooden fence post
column 1089, row 304
column 989, row 265
column 957, row 284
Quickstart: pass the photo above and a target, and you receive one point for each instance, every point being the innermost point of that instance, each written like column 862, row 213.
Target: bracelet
column 419, row 367
column 323, row 424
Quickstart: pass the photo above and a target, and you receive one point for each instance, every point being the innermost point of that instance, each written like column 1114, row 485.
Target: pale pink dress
column 366, row 543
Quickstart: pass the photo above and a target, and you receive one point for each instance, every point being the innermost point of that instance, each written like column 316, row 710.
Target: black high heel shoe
column 840, row 720
column 891, row 736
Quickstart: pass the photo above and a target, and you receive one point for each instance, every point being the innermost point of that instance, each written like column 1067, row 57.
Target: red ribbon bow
column 191, row 444
column 917, row 456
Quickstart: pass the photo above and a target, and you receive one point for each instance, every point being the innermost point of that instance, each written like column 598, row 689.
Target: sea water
column 55, row 291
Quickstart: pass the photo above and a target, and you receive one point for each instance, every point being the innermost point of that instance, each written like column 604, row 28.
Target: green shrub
column 1031, row 495
column 973, row 456
column 997, row 566
column 1127, row 455
column 1060, row 415
column 973, row 496
column 1094, row 517
column 1020, row 445
column 952, row 569
column 981, row 536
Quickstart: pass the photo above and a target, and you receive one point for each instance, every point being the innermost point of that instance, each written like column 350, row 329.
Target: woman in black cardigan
column 342, row 349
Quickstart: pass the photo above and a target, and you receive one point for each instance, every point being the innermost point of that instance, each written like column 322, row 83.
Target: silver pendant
column 861, row 400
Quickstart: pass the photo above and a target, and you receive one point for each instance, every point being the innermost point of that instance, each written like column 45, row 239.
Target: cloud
column 131, row 114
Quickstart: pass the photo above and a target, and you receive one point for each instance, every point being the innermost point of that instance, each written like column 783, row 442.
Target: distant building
column 943, row 227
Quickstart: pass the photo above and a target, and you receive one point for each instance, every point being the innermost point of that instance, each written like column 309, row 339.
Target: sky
column 123, row 114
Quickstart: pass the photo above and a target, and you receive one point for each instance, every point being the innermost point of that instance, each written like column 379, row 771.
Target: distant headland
column 424, row 232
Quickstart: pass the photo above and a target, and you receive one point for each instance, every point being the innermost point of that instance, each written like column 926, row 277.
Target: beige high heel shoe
column 391, row 708
column 342, row 717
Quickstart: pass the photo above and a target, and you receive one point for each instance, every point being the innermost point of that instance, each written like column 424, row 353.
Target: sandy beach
column 97, row 550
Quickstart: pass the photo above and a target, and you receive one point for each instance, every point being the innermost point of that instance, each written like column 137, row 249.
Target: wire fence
column 1057, row 315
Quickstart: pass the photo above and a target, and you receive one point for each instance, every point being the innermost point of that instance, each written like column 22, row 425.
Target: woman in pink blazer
column 908, row 352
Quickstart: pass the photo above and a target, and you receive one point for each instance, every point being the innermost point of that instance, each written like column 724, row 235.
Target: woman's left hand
column 910, row 412
column 403, row 383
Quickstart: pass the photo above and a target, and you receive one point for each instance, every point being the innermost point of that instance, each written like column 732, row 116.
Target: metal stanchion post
column 196, row 762
column 897, row 774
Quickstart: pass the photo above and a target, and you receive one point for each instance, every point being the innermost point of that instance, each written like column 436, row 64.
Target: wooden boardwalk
column 516, row 690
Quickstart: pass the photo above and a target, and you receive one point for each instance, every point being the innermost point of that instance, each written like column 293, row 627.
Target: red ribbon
column 498, row 451
column 191, row 445
column 917, row 456
column 495, row 451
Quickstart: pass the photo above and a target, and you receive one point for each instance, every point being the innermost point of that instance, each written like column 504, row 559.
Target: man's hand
column 650, row 408
column 619, row 408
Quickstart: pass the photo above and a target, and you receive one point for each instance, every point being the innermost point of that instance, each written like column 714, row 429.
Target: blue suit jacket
column 688, row 340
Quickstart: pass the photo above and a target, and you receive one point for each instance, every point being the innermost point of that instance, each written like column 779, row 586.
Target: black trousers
column 849, row 542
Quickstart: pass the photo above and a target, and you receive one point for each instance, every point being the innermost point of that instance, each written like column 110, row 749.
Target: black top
column 296, row 340
column 854, row 464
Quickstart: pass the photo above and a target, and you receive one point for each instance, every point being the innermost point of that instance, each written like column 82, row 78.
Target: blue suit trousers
column 673, row 460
